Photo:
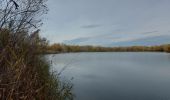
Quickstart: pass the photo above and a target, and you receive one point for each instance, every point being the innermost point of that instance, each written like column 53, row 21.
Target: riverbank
column 24, row 74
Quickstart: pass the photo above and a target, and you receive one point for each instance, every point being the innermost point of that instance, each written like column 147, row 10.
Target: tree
column 21, row 19
column 21, row 15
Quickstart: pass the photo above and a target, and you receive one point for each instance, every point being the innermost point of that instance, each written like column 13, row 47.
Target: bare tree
column 21, row 15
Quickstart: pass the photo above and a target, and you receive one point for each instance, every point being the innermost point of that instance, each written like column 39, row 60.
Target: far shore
column 62, row 48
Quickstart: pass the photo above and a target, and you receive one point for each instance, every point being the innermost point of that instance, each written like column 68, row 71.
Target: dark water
column 116, row 76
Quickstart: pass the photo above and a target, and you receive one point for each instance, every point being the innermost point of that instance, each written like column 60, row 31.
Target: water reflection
column 117, row 76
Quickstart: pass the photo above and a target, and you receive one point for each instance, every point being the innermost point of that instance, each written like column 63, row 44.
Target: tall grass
column 24, row 74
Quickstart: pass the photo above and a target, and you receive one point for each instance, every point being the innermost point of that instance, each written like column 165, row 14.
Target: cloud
column 139, row 36
column 150, row 32
column 94, row 40
column 121, row 40
column 147, row 41
column 76, row 41
column 106, row 21
column 91, row 26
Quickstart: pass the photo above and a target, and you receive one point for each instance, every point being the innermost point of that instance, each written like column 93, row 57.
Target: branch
column 16, row 5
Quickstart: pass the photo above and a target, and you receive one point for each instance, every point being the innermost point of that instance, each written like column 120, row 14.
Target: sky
column 107, row 22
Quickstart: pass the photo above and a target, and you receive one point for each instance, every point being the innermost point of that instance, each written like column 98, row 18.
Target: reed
column 24, row 74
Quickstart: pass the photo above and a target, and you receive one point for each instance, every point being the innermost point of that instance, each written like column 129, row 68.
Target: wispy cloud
column 91, row 26
column 150, row 32
column 116, row 39
column 154, row 40
column 76, row 41
column 105, row 22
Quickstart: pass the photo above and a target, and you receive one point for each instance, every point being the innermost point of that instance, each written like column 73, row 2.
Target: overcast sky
column 107, row 22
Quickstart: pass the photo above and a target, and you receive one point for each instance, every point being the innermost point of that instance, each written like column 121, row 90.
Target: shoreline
column 108, row 52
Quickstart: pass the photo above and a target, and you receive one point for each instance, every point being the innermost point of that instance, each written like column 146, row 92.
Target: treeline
column 63, row 48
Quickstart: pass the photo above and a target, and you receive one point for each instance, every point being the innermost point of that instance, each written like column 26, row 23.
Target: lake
column 116, row 76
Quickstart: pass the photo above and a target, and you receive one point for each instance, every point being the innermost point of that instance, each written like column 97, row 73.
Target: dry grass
column 24, row 75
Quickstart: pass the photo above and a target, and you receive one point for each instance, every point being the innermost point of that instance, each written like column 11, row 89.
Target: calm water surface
column 116, row 76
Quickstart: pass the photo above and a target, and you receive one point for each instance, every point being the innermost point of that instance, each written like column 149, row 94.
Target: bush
column 24, row 74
